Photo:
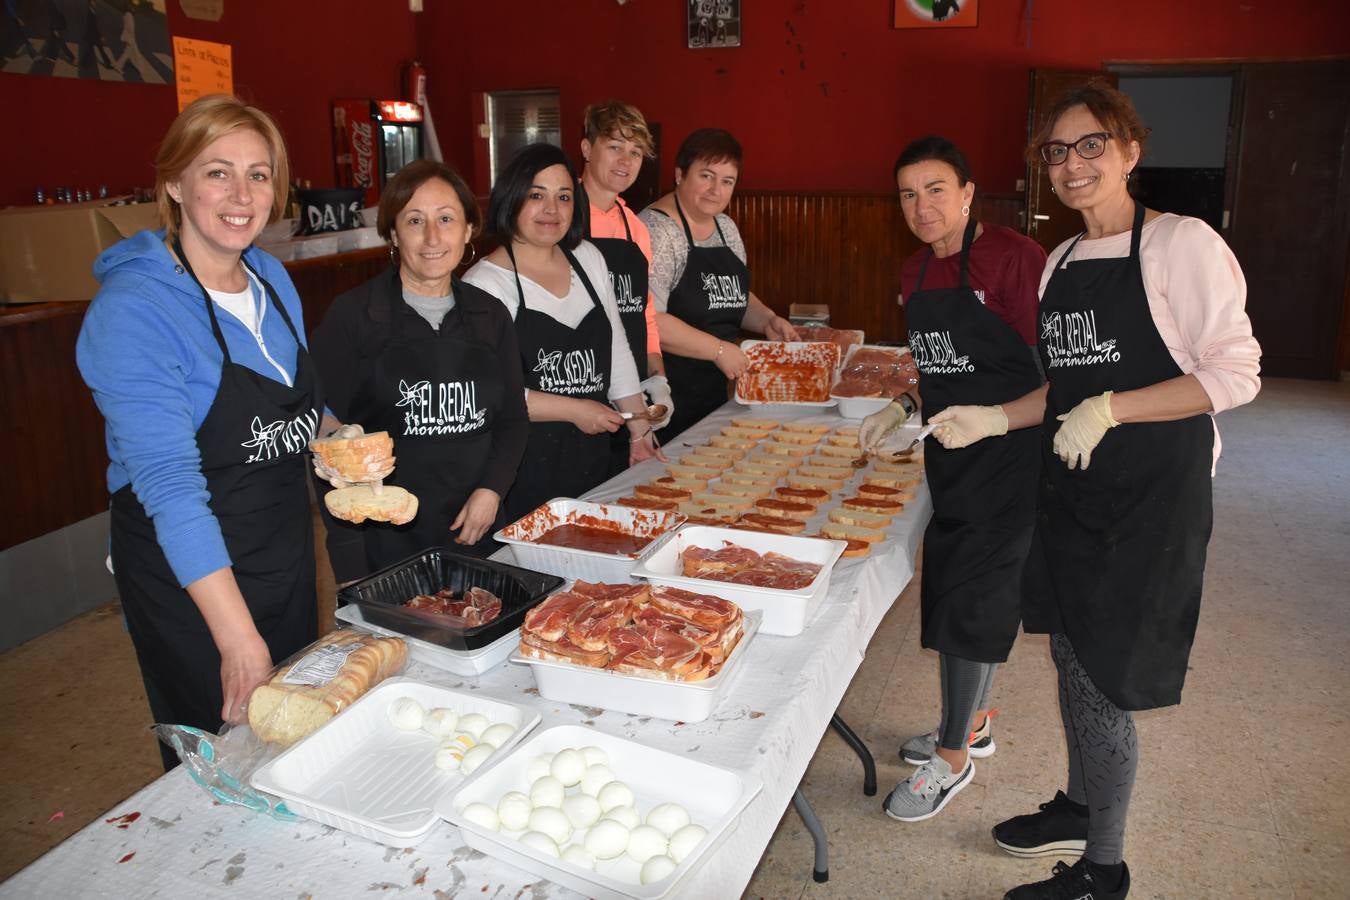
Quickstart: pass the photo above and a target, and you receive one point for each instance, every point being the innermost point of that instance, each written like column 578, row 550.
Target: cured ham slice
column 637, row 594
column 645, row 649
column 741, row 565
column 549, row 620
column 532, row 645
column 473, row 608
column 589, row 629
column 703, row 609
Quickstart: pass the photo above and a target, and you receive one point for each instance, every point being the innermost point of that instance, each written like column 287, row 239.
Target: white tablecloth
column 773, row 717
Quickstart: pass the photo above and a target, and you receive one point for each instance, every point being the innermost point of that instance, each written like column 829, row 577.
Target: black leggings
column 1103, row 754
column 965, row 688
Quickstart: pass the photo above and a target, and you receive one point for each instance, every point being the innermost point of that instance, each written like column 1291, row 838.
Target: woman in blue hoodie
column 194, row 350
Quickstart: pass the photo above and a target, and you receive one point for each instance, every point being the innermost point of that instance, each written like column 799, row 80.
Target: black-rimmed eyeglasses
column 1089, row 146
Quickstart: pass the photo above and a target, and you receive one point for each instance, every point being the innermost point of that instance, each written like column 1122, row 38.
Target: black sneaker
column 1072, row 883
column 1059, row 829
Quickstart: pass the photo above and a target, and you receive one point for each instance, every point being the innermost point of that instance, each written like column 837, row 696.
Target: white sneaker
column 919, row 749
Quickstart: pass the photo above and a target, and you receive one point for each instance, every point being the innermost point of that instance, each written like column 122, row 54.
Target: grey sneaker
column 924, row 794
column 919, row 749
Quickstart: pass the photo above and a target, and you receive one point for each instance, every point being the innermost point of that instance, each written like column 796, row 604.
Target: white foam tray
column 586, row 565
column 361, row 774
column 680, row 701
column 469, row 663
column 715, row 798
column 786, row 613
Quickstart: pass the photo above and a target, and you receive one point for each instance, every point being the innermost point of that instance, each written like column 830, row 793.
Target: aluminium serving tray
column 381, row 596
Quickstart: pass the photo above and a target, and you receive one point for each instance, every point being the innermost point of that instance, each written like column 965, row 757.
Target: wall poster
column 204, row 67
column 936, row 13
column 714, row 23
column 111, row 40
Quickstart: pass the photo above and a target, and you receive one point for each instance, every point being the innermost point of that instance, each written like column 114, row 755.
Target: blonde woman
column 194, row 350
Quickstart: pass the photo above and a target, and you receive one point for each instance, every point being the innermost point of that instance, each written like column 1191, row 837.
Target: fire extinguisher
column 415, row 82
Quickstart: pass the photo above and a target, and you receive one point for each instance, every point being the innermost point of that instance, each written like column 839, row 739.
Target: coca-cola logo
column 363, row 172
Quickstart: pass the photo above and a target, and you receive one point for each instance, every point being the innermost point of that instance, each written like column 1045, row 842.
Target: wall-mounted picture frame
column 714, row 23
column 936, row 13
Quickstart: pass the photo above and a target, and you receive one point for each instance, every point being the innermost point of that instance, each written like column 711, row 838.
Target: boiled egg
column 537, row 840
column 483, row 816
column 607, row 839
column 514, row 811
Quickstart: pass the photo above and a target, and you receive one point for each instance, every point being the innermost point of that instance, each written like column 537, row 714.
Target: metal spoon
column 652, row 413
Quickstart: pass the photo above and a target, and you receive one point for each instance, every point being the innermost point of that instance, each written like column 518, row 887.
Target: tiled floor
column 1243, row 790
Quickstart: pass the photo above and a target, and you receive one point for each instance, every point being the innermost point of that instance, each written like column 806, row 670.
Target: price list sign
column 201, row 68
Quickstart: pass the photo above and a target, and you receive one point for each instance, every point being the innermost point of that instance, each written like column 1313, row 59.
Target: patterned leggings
column 966, row 686
column 1103, row 754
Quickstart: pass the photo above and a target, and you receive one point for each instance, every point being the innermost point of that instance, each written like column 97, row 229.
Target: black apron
column 711, row 295
column 438, row 396
column 1118, row 555
column 254, row 454
column 628, row 267
column 560, row 459
column 984, row 494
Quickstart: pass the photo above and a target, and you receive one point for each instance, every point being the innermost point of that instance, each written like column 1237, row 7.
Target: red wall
column 290, row 58
column 824, row 94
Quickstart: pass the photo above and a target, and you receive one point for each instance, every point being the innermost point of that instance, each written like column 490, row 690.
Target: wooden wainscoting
column 842, row 249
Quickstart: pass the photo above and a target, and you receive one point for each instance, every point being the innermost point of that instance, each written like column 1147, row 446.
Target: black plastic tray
column 381, row 596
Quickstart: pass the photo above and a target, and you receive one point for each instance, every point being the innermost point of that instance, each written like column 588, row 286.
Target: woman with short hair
column 573, row 350
column 433, row 361
column 700, row 280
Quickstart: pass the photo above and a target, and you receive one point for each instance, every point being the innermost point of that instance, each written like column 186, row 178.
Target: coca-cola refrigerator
column 373, row 139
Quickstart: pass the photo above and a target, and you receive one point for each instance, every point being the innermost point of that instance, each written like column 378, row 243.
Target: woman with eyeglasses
column 1144, row 338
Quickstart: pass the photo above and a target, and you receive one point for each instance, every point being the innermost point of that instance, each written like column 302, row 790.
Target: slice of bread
column 749, row 480
column 901, row 468
column 745, row 434
column 809, row 481
column 358, row 503
column 860, row 517
column 796, row 437
column 703, row 514
column 788, row 509
column 902, row 482
column 662, row 492
column 722, row 502
column 837, row 473
column 848, row 429
column 751, row 422
column 703, row 473
column 640, row 502
column 834, row 451
column 855, row 547
column 705, row 460
column 843, row 440
column 729, row 454
column 806, row 427
column 689, row 484
column 730, row 489
column 774, row 524
column 761, row 467
column 852, row 533
column 779, row 448
column 731, row 443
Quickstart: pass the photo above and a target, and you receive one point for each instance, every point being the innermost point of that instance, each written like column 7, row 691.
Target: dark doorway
column 1183, row 170
column 647, row 186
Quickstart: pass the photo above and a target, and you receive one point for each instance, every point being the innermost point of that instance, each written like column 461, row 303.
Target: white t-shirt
column 249, row 306
column 570, row 310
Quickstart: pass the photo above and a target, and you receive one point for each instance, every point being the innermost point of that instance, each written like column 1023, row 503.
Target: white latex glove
column 961, row 426
column 658, row 389
column 880, row 425
column 1084, row 427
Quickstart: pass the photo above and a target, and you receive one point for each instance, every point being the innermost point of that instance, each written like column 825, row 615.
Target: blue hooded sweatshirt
column 147, row 352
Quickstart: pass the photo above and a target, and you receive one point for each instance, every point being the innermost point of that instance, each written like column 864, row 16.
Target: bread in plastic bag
column 319, row 682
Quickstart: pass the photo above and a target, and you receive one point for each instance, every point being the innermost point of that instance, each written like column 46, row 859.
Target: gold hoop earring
column 965, row 210
column 473, row 254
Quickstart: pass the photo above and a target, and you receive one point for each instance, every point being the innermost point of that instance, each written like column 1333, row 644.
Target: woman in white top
column 574, row 353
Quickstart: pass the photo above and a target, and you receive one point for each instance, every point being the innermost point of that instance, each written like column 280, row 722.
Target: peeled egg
column 579, row 856
column 582, row 811
column 568, row 766
column 473, row 723
column 476, row 756
column 461, row 740
column 596, row 777
column 667, row 818
column 551, row 821
column 449, row 757
column 644, row 842
column 483, row 816
column 537, row 840
column 440, row 722
column 406, row 713
column 683, row 842
column 607, row 839
column 538, row 767
column 547, row 791
column 656, row 868
column 595, row 756
column 514, row 811
column 498, row 734
column 625, row 814
column 616, row 793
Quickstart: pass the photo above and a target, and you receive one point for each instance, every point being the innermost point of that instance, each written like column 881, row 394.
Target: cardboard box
column 48, row 252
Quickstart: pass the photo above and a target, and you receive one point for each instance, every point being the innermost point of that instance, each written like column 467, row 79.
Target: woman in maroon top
column 970, row 306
